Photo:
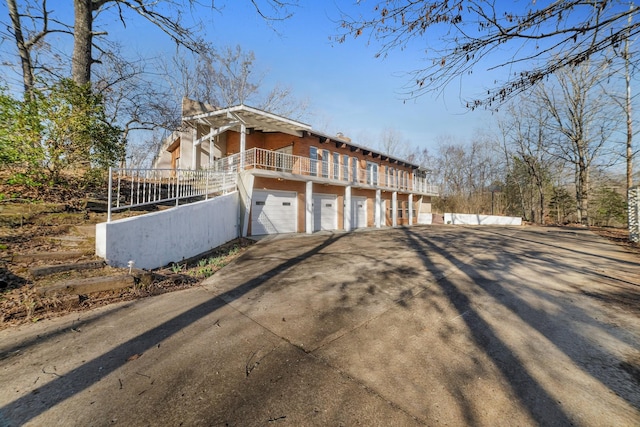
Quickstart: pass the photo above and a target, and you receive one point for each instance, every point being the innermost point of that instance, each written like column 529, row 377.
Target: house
column 293, row 179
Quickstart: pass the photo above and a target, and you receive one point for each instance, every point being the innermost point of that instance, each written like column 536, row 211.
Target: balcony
column 134, row 188
column 300, row 168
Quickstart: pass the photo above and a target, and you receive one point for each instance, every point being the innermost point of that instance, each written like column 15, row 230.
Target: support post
column 110, row 194
column 308, row 198
column 410, row 203
column 377, row 208
column 243, row 144
column 346, row 212
column 394, row 209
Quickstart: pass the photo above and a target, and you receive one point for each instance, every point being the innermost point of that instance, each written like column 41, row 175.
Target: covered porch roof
column 233, row 118
column 252, row 118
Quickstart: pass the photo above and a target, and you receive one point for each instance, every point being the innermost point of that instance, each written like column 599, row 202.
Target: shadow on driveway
column 89, row 373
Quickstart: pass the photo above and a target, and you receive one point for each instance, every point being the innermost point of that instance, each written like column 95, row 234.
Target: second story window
column 354, row 169
column 313, row 161
column 372, row 173
column 325, row 163
column 336, row 166
column 345, row 167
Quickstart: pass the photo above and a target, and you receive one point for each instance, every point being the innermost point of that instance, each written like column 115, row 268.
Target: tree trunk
column 82, row 42
column 582, row 193
column 23, row 50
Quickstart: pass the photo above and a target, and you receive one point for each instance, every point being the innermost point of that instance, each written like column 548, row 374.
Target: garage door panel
column 325, row 212
column 359, row 212
column 274, row 212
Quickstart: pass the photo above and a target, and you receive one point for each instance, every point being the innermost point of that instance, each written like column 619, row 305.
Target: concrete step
column 89, row 285
column 98, row 284
column 48, row 256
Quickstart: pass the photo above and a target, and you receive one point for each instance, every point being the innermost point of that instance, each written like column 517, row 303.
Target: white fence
column 257, row 158
column 634, row 214
column 160, row 238
column 473, row 219
column 131, row 188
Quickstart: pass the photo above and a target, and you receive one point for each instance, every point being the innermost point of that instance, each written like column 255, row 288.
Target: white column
column 410, row 203
column 243, row 144
column 210, row 151
column 194, row 149
column 394, row 208
column 308, row 212
column 378, row 208
column 346, row 212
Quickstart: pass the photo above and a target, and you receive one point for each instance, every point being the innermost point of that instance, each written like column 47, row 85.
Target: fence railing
column 272, row 160
column 132, row 188
column 634, row 213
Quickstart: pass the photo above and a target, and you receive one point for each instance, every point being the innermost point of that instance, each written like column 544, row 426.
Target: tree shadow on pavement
column 84, row 376
column 494, row 279
column 541, row 407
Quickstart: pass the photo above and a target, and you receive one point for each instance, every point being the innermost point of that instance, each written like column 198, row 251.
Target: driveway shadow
column 494, row 278
column 90, row 372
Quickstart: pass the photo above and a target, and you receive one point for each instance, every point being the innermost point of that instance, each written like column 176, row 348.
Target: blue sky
column 348, row 89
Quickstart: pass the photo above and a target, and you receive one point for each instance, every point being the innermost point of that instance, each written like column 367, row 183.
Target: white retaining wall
column 160, row 238
column 425, row 218
column 473, row 219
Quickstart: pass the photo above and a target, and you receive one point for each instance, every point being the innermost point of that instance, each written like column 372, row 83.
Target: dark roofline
column 324, row 138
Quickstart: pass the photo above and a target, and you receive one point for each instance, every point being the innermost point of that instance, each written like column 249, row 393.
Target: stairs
column 61, row 273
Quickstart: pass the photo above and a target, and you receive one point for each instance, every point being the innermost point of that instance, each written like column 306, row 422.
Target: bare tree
column 225, row 77
column 167, row 16
column 38, row 16
column 460, row 36
column 526, row 139
column 466, row 173
column 392, row 142
column 582, row 114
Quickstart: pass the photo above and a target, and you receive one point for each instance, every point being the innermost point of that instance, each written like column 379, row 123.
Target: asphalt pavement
column 428, row 325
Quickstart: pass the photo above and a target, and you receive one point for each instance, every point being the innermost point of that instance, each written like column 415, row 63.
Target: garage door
column 358, row 212
column 325, row 212
column 274, row 212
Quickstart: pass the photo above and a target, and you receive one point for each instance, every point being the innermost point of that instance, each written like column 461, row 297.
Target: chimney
column 343, row 137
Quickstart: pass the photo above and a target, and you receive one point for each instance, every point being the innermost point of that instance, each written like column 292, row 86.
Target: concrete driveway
column 433, row 325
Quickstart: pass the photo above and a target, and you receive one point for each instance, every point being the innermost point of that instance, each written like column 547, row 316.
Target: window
column 325, row 163
column 354, row 169
column 372, row 173
column 336, row 166
column 313, row 162
column 345, row 167
column 391, row 177
column 386, row 175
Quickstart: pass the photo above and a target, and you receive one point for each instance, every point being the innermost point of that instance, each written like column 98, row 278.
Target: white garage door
column 358, row 212
column 274, row 212
column 325, row 212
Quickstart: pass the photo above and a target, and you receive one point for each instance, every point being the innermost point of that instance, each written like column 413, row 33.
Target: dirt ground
column 28, row 227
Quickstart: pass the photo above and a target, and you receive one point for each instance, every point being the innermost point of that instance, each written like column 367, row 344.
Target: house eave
column 251, row 118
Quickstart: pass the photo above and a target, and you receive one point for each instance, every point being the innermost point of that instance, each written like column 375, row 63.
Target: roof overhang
column 338, row 141
column 251, row 118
